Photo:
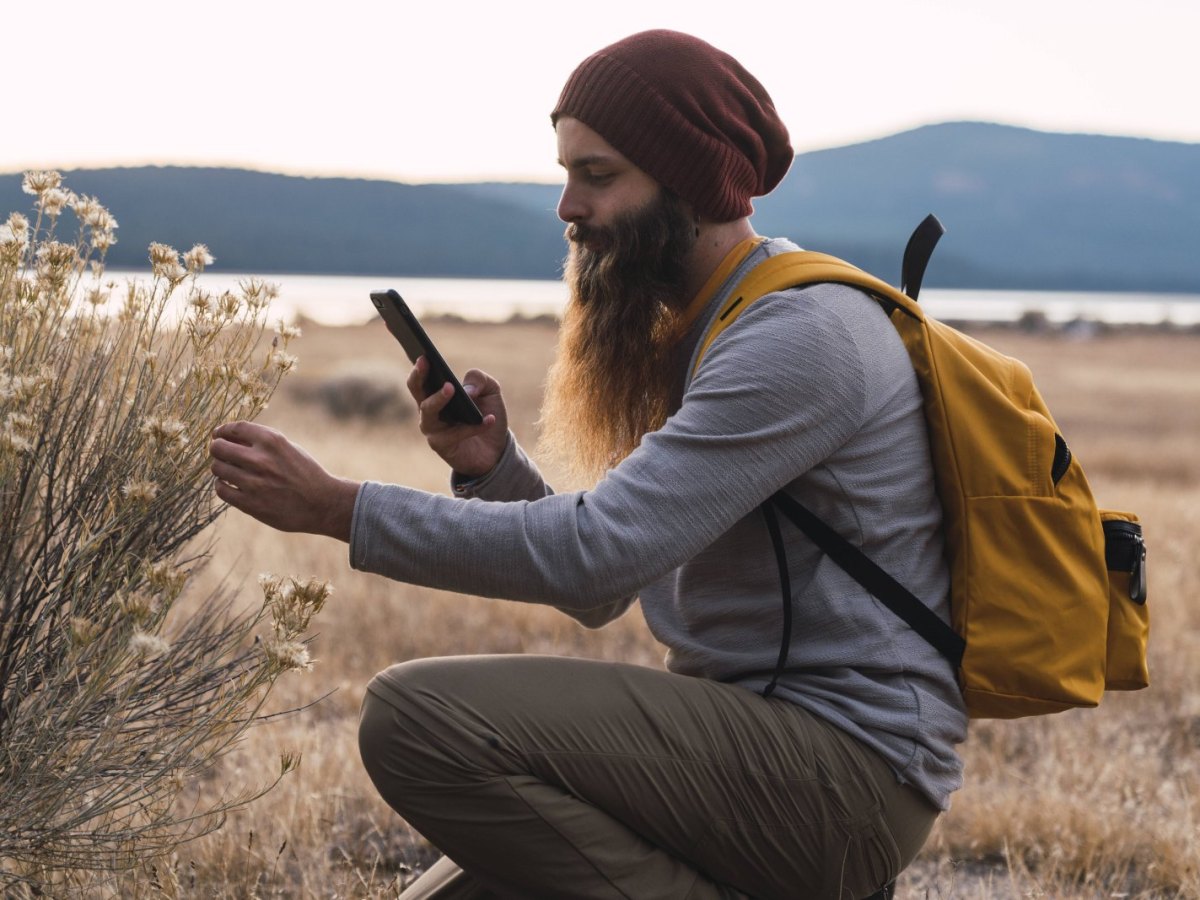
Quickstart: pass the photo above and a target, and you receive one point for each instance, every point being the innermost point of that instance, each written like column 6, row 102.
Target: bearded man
column 811, row 764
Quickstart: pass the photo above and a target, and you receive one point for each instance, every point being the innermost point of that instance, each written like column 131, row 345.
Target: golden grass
column 1092, row 803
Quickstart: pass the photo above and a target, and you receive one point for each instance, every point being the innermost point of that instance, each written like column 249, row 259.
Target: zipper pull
column 1137, row 574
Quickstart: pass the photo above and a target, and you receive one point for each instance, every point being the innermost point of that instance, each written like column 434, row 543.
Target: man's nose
column 570, row 207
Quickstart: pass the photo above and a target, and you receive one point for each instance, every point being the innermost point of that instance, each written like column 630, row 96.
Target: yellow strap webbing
column 789, row 270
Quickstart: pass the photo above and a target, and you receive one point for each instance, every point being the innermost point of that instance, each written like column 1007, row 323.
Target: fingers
column 239, row 451
column 232, row 466
column 431, row 408
column 240, row 432
column 260, row 472
column 230, row 453
column 476, row 392
column 241, row 498
column 227, row 493
column 429, row 404
column 454, row 442
column 239, row 477
column 416, row 379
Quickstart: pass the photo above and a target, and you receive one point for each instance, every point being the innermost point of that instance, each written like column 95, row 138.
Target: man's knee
column 377, row 730
column 418, row 725
column 394, row 698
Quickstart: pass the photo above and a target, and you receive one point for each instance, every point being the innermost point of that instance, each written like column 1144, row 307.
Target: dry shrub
column 116, row 701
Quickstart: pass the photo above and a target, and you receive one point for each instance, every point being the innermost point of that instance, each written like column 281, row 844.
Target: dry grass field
column 1095, row 803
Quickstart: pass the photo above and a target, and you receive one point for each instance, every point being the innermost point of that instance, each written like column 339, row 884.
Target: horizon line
column 528, row 178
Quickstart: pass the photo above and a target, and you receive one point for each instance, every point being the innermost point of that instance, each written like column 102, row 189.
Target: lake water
column 344, row 300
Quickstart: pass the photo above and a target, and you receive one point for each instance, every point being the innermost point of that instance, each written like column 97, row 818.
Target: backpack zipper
column 1125, row 551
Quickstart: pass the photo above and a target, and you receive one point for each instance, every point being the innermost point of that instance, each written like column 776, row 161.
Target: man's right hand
column 471, row 450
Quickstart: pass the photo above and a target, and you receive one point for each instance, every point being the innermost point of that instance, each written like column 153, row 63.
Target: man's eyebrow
column 595, row 159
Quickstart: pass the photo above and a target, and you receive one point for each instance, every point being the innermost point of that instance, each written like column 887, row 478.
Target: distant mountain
column 253, row 221
column 1023, row 209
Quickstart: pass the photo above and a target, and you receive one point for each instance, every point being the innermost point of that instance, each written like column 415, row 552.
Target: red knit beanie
column 687, row 115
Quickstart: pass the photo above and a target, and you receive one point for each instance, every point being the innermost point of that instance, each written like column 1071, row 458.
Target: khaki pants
column 553, row 777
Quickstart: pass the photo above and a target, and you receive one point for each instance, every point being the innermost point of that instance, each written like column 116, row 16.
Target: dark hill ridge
column 1023, row 209
column 254, row 221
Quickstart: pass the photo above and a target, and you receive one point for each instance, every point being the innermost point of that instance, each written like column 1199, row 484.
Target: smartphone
column 416, row 343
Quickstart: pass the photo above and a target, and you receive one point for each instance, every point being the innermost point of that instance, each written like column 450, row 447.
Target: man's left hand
column 265, row 475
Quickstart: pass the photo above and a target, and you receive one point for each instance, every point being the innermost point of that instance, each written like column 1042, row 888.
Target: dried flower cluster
column 292, row 603
column 95, row 221
column 112, row 697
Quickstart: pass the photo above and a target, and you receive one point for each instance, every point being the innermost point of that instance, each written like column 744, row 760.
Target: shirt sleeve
column 778, row 392
column 514, row 477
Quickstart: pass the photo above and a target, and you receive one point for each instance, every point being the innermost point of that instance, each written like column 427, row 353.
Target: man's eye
column 600, row 177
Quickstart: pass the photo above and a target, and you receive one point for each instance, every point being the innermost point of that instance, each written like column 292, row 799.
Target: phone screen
column 403, row 325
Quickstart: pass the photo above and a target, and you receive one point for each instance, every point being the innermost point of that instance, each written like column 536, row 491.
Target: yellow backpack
column 1047, row 592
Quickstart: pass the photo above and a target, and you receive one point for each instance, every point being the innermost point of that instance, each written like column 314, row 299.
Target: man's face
column 601, row 184
column 613, row 377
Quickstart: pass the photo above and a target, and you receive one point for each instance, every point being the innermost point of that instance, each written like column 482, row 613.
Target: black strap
column 785, row 582
column 859, row 566
column 917, row 253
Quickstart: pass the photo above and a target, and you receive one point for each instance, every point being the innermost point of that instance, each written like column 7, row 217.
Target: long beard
column 613, row 378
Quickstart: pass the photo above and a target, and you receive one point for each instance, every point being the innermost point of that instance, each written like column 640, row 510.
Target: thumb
column 477, row 382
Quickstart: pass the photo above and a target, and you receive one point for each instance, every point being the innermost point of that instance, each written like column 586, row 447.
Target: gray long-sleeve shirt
column 810, row 390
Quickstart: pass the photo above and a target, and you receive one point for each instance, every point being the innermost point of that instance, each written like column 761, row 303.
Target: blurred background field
column 1096, row 803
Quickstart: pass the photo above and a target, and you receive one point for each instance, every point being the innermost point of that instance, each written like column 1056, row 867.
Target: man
column 549, row 777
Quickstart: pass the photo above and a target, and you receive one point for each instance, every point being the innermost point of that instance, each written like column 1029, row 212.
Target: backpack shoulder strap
column 801, row 267
column 788, row 270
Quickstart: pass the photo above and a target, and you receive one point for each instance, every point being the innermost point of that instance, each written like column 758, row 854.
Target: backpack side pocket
column 1129, row 616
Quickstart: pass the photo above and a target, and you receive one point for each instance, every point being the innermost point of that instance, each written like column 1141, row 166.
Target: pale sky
column 427, row 91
